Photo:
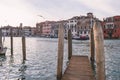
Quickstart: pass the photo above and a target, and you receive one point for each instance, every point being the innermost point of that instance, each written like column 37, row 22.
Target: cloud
column 68, row 8
column 102, row 8
column 16, row 11
column 115, row 6
column 58, row 9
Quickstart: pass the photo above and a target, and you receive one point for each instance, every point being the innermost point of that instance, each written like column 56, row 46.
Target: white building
column 80, row 25
column 72, row 24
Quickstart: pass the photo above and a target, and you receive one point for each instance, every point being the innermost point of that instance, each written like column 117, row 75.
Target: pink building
column 45, row 28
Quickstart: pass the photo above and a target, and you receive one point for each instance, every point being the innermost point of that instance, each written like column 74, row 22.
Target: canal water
column 41, row 60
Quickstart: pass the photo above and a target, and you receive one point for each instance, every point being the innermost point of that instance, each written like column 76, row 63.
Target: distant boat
column 76, row 38
column 2, row 48
column 51, row 36
column 79, row 37
column 84, row 37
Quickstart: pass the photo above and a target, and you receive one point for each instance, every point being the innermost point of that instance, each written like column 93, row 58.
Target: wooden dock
column 79, row 68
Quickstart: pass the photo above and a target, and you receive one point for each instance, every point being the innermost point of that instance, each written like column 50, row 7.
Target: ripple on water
column 41, row 60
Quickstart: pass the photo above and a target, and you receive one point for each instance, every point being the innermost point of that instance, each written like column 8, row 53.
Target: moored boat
column 84, row 37
column 76, row 38
column 79, row 37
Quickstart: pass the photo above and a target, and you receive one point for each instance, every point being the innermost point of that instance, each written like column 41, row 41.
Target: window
column 75, row 28
column 71, row 21
column 84, row 32
column 81, row 32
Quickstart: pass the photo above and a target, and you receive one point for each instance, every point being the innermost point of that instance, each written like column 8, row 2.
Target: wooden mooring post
column 69, row 44
column 92, row 46
column 1, row 46
column 11, row 40
column 24, row 47
column 99, row 48
column 60, row 51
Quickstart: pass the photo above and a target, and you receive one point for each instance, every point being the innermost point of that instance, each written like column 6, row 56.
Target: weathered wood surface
column 11, row 37
column 24, row 47
column 79, row 68
column 92, row 46
column 60, row 52
column 69, row 44
column 99, row 48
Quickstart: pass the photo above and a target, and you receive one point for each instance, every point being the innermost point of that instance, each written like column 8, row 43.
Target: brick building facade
column 111, row 27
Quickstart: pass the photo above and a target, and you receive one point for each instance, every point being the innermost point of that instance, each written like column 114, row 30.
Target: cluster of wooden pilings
column 23, row 44
column 96, row 51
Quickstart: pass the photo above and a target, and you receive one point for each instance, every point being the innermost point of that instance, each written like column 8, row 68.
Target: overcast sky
column 28, row 12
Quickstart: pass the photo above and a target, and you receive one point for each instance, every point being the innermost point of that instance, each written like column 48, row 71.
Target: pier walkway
column 79, row 68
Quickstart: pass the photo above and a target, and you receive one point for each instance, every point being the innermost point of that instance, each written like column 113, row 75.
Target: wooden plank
column 79, row 68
